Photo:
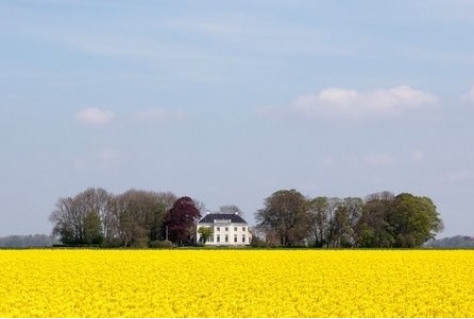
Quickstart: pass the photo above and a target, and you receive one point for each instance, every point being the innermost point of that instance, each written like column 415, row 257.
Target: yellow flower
column 236, row 283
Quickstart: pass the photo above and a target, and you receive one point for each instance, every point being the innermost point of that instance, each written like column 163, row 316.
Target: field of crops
column 236, row 283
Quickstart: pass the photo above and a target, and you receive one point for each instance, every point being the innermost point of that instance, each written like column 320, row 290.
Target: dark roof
column 234, row 218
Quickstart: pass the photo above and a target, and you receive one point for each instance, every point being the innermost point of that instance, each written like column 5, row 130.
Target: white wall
column 231, row 232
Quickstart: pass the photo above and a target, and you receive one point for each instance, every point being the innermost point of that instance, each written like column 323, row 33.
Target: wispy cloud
column 230, row 26
column 112, row 45
column 229, row 34
column 94, row 116
column 266, row 35
column 157, row 115
column 345, row 103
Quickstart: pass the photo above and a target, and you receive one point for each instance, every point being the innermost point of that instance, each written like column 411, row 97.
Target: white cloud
column 344, row 103
column 378, row 159
column 94, row 116
column 158, row 114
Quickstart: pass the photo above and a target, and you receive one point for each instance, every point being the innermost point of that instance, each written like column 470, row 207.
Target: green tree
column 93, row 234
column 414, row 219
column 339, row 227
column 205, row 233
column 286, row 213
column 404, row 221
column 373, row 230
column 319, row 217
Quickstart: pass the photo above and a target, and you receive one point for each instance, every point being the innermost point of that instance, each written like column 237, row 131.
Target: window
column 218, row 238
column 226, row 238
column 211, row 239
column 227, row 229
column 243, row 228
column 235, row 238
column 243, row 238
column 218, row 228
column 235, row 228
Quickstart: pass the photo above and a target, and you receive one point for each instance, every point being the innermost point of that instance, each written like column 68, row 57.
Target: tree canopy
column 286, row 214
column 135, row 218
column 139, row 218
column 380, row 220
column 180, row 220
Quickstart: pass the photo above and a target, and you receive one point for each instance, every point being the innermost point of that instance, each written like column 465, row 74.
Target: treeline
column 135, row 218
column 139, row 218
column 381, row 220
column 23, row 241
column 452, row 242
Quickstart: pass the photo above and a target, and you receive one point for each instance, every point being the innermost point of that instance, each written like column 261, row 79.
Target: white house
column 228, row 230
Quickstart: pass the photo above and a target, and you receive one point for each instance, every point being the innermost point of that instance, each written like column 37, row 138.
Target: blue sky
column 230, row 101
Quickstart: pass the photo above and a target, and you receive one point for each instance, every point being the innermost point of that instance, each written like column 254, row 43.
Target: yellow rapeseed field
column 236, row 283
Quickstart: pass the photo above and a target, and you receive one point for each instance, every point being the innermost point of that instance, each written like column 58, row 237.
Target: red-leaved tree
column 180, row 221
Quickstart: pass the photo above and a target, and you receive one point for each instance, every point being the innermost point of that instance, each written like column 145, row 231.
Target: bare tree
column 140, row 216
column 63, row 221
column 94, row 216
column 80, row 220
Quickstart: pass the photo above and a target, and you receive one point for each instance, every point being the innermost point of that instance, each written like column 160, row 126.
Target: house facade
column 228, row 230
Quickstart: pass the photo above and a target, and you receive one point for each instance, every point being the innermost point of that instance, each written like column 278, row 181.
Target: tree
column 64, row 221
column 457, row 241
column 95, row 217
column 403, row 221
column 414, row 219
column 205, row 233
column 94, row 203
column 167, row 198
column 319, row 218
column 18, row 241
column 339, row 227
column 354, row 207
column 180, row 221
column 286, row 213
column 372, row 229
column 93, row 234
column 84, row 219
column 139, row 216
column 199, row 205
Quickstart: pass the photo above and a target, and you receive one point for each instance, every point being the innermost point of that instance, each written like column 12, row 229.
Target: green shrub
column 160, row 244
